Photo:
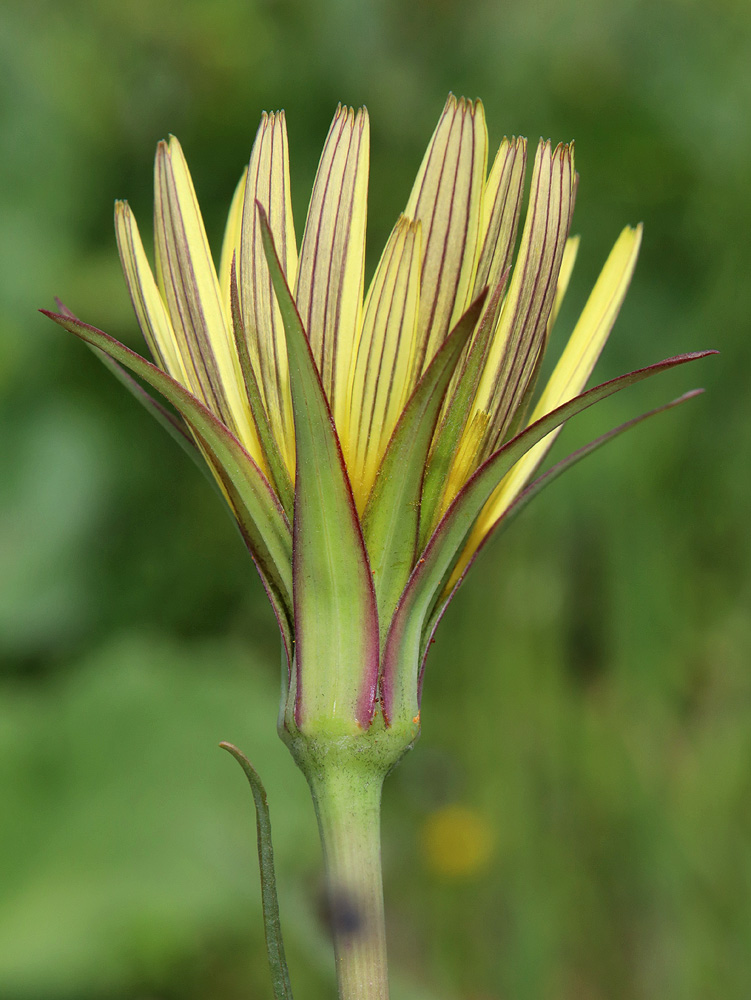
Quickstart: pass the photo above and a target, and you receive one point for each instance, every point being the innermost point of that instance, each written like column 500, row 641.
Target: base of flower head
column 326, row 746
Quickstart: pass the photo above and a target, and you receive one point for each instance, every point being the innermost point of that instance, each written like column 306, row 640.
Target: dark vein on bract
column 518, row 328
column 179, row 257
column 136, row 291
column 341, row 238
column 316, row 326
column 425, row 326
column 449, row 237
column 527, row 343
column 399, row 310
column 533, row 343
column 369, row 382
column 275, row 332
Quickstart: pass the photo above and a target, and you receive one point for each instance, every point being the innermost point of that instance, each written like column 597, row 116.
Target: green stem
column 348, row 803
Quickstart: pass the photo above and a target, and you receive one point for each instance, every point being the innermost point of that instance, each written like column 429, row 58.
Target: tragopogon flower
column 369, row 445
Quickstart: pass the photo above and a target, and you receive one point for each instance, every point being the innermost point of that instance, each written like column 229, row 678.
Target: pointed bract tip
column 563, row 151
column 262, row 214
column 64, row 310
column 464, row 105
column 272, row 117
column 346, row 115
column 174, row 146
column 405, row 222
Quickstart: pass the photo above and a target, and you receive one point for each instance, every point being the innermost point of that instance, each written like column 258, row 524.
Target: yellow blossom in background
column 456, row 842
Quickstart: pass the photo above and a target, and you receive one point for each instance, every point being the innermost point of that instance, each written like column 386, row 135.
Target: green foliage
column 589, row 692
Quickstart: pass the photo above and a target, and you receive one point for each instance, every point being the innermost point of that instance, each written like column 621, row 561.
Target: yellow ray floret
column 447, row 200
column 332, row 255
column 231, row 243
column 501, row 207
column 568, row 379
column 268, row 185
column 567, row 267
column 519, row 338
column 148, row 304
column 190, row 288
column 384, row 359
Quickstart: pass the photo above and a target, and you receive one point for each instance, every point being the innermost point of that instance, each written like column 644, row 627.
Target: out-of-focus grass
column 588, row 701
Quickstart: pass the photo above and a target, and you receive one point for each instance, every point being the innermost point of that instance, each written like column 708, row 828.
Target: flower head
column 368, row 444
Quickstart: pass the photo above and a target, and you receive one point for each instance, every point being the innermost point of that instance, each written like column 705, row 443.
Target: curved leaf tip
column 270, row 901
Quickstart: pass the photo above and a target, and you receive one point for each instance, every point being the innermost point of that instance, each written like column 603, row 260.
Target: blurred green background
column 576, row 821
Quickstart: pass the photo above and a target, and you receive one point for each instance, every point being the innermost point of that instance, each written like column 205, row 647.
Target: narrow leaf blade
column 161, row 414
column 269, row 900
column 174, row 427
column 530, row 492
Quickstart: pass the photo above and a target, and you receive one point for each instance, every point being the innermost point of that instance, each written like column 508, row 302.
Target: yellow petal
column 332, row 255
column 147, row 302
column 568, row 379
column 190, row 288
column 383, row 363
column 268, row 183
column 594, row 325
column 464, row 461
column 567, row 267
column 522, row 325
column 447, row 199
column 231, row 243
column 501, row 209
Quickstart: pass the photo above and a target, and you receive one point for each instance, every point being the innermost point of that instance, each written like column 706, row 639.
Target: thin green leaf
column 531, row 491
column 168, row 421
column 259, row 513
column 269, row 899
column 279, row 601
column 161, row 414
column 391, row 517
column 180, row 434
column 277, row 468
column 336, row 621
column 402, row 650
